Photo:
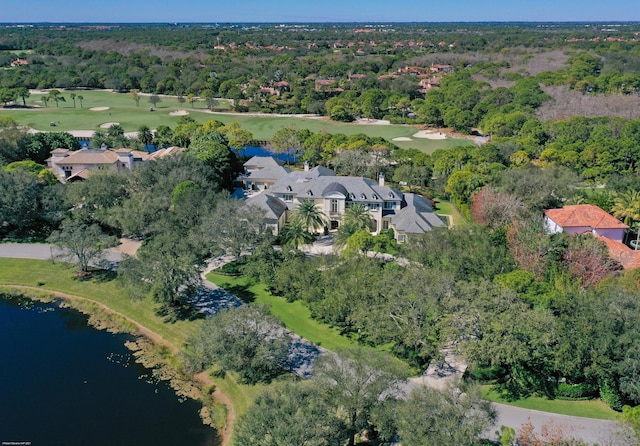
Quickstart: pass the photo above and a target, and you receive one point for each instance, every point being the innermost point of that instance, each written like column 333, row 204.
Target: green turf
column 448, row 208
column 60, row 277
column 123, row 110
column 588, row 409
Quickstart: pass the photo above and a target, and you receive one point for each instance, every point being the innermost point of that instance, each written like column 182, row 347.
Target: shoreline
column 202, row 380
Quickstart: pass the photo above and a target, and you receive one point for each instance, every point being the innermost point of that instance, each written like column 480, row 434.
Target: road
column 42, row 251
column 587, row 429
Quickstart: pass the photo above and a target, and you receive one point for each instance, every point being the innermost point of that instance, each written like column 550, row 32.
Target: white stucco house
column 584, row 218
column 389, row 208
column 70, row 165
column 261, row 172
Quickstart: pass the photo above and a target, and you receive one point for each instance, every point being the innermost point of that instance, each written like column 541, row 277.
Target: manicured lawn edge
column 46, row 278
column 454, row 216
column 588, row 409
column 294, row 315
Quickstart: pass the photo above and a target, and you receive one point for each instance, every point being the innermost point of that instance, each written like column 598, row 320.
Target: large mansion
column 71, row 165
column 282, row 190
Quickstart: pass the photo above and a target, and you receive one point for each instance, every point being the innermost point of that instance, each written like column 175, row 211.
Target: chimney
column 306, row 166
column 381, row 179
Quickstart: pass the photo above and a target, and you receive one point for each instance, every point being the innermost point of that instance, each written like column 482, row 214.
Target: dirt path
column 157, row 339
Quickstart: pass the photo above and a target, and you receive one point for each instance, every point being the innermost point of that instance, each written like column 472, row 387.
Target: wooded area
column 532, row 313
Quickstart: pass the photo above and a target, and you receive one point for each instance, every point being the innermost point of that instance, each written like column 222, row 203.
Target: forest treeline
column 531, row 312
column 499, row 69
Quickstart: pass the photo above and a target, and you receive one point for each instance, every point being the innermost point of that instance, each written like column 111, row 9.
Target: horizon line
column 169, row 22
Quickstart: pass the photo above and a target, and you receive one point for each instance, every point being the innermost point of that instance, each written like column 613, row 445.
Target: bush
column 485, row 374
column 231, row 268
column 576, row 391
column 611, row 396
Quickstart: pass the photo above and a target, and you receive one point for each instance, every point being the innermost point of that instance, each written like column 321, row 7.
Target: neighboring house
column 389, row 208
column 19, row 63
column 587, row 218
column 627, row 257
column 582, row 218
column 70, row 165
column 261, row 172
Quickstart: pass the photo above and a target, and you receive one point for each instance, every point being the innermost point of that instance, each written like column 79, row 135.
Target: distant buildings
column 70, row 165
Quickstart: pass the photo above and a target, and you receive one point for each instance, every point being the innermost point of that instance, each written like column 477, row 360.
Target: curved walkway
column 587, row 429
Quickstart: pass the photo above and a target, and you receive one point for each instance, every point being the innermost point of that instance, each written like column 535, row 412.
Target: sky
column 283, row 11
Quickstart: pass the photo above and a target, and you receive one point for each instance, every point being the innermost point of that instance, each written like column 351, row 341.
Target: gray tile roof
column 262, row 162
column 318, row 171
column 267, row 173
column 272, row 206
column 356, row 188
column 416, row 217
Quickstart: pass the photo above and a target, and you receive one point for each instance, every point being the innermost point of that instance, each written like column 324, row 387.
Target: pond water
column 65, row 383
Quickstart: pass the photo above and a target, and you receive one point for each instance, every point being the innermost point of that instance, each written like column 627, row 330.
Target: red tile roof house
column 582, row 218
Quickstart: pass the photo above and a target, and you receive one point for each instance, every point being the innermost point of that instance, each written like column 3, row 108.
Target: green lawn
column 102, row 288
column 59, row 277
column 122, row 109
column 448, row 208
column 588, row 409
column 295, row 316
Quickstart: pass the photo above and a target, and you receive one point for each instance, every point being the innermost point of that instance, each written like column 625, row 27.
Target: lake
column 65, row 383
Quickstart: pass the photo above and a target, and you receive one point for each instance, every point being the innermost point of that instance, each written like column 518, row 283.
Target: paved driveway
column 42, row 251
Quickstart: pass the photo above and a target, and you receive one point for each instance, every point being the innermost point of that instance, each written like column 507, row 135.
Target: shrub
column 576, row 391
column 231, row 268
column 484, row 373
column 611, row 396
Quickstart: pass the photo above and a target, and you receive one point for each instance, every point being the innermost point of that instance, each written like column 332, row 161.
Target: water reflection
column 62, row 383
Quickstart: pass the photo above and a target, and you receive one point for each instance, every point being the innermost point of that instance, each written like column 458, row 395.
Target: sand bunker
column 372, row 121
column 106, row 125
column 99, row 108
column 179, row 113
column 430, row 134
column 401, row 138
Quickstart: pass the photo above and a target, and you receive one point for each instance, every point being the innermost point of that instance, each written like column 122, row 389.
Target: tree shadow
column 97, row 276
column 179, row 312
column 242, row 293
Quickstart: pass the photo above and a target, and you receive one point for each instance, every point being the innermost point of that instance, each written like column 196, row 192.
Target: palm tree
column 627, row 207
column 294, row 234
column 357, row 217
column 56, row 96
column 145, row 136
column 115, row 130
column 312, row 218
column 73, row 98
column 80, row 98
